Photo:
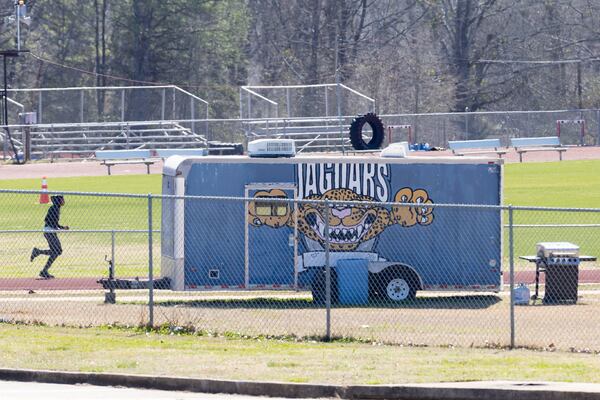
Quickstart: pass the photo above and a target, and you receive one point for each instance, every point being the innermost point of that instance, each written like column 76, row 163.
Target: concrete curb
column 449, row 391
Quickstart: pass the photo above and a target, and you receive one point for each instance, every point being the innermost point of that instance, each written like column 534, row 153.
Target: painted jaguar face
column 349, row 225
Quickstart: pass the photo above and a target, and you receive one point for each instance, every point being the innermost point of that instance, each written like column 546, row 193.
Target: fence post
column 174, row 105
column 112, row 255
column 81, row 105
column 511, row 254
column 598, row 122
column 466, row 123
column 39, row 117
column 206, row 122
column 338, row 94
column 162, row 107
column 150, row 266
column 327, row 278
column 122, row 105
column 192, row 115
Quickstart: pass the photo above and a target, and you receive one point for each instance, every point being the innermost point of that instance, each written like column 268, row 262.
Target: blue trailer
column 262, row 243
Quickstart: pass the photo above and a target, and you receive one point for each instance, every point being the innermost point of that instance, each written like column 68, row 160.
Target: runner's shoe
column 46, row 275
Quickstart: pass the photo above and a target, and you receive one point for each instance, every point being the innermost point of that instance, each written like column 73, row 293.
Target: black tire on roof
column 356, row 137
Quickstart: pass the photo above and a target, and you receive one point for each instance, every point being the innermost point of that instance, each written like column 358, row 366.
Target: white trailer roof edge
column 175, row 165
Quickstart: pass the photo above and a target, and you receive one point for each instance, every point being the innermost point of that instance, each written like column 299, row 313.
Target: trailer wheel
column 400, row 289
column 394, row 284
column 356, row 136
column 319, row 290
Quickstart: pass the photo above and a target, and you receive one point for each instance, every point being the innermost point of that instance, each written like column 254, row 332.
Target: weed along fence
column 267, row 261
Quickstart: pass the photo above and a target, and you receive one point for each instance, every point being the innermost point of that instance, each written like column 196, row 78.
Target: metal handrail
column 252, row 92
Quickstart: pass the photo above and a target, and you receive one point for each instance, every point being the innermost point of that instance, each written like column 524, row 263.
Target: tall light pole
column 20, row 16
column 5, row 54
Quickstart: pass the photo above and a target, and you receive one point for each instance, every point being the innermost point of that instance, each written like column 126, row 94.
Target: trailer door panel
column 271, row 236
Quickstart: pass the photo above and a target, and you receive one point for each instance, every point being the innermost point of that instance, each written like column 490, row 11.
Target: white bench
column 546, row 143
column 478, row 147
column 118, row 157
column 166, row 153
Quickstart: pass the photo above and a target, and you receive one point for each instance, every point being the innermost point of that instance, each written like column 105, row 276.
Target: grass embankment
column 129, row 351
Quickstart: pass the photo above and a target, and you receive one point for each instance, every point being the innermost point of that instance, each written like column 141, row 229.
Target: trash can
column 353, row 281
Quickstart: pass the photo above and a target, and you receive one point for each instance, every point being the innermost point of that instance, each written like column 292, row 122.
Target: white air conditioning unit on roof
column 272, row 148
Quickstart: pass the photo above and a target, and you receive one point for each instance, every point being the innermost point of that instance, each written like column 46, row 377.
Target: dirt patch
column 444, row 320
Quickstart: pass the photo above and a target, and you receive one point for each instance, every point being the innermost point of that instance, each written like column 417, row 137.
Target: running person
column 51, row 225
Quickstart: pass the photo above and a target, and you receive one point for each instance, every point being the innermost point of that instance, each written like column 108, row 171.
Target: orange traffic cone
column 44, row 199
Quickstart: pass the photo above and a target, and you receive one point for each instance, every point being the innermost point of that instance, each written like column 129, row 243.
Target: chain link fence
column 575, row 127
column 78, row 105
column 267, row 265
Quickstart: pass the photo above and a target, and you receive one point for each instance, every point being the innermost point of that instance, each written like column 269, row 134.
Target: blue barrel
column 353, row 281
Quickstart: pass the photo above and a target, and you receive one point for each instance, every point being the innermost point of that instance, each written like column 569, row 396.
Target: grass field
column 559, row 184
column 554, row 184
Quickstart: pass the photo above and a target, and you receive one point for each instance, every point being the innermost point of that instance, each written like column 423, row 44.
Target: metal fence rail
column 72, row 105
column 274, row 266
column 316, row 126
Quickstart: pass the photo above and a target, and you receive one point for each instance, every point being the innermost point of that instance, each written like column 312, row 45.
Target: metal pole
column 248, row 98
column 466, row 123
column 18, row 19
column 327, row 278
column 326, row 102
column 511, row 246
column 123, row 105
column 81, row 105
column 27, row 142
column 39, row 118
column 598, row 123
column 174, row 105
column 288, row 100
column 192, row 114
column 206, row 123
column 5, row 99
column 162, row 108
column 338, row 94
column 5, row 147
column 150, row 267
column 112, row 254
column 241, row 104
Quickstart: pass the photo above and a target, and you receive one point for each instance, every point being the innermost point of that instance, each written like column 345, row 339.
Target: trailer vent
column 272, row 148
column 213, row 273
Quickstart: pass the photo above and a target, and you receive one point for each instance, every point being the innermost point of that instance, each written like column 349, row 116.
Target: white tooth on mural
column 344, row 231
column 359, row 229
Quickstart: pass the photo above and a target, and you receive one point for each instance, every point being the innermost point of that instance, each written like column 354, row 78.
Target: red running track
column 49, row 284
column 528, row 277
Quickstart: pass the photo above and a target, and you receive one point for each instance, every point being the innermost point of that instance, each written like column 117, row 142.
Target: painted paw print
column 412, row 215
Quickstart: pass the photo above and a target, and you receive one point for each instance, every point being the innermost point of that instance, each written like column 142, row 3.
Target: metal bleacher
column 49, row 141
column 48, row 123
column 316, row 116
column 69, row 122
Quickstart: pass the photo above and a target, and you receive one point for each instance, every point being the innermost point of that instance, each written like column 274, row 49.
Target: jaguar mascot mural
column 351, row 226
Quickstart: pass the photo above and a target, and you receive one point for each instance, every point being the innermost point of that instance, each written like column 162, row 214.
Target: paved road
column 50, row 391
